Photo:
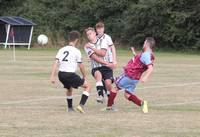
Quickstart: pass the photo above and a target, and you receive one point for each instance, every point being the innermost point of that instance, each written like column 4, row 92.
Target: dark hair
column 73, row 35
column 151, row 42
column 99, row 25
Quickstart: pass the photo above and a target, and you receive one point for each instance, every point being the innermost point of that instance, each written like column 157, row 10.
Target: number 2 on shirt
column 66, row 54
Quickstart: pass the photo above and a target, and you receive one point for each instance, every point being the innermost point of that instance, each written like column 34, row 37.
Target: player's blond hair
column 100, row 25
column 88, row 29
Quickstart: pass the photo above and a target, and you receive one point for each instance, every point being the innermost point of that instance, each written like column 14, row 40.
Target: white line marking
column 173, row 85
column 175, row 104
column 61, row 97
column 34, row 100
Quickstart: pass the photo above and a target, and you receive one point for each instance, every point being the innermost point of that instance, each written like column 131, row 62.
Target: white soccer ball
column 42, row 39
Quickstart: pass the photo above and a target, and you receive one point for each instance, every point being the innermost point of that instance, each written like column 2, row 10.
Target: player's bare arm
column 133, row 51
column 113, row 49
column 99, row 52
column 53, row 71
column 147, row 74
column 97, row 59
column 82, row 69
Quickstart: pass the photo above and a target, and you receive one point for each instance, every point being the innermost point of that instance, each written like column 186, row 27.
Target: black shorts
column 70, row 80
column 106, row 72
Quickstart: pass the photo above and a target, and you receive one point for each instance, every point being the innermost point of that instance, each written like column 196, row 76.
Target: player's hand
column 85, row 78
column 52, row 80
column 110, row 65
column 133, row 50
column 144, row 79
column 115, row 64
column 88, row 46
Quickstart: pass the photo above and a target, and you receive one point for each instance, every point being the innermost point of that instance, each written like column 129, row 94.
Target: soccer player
column 67, row 59
column 100, row 28
column 101, row 66
column 133, row 71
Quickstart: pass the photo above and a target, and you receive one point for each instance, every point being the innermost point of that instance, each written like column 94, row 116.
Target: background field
column 31, row 107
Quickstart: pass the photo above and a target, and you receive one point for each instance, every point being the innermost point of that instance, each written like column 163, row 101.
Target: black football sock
column 100, row 88
column 104, row 87
column 84, row 98
column 70, row 101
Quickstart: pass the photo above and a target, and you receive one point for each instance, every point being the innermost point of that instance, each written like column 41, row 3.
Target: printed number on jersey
column 66, row 55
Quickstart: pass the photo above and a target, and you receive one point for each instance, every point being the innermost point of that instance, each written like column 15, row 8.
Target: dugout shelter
column 15, row 31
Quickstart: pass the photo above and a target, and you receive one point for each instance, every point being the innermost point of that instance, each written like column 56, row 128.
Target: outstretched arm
column 82, row 69
column 53, row 71
column 148, row 73
column 113, row 49
column 133, row 51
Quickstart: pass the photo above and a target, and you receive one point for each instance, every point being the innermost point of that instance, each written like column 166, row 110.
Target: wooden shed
column 15, row 31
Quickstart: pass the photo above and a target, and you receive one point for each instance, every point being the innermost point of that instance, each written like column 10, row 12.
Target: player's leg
column 112, row 91
column 69, row 99
column 108, row 77
column 76, row 81
column 129, row 95
column 129, row 86
column 124, row 82
column 105, row 89
column 64, row 78
column 86, row 93
column 86, row 86
column 99, row 85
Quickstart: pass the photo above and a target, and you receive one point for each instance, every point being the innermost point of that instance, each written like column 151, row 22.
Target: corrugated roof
column 16, row 21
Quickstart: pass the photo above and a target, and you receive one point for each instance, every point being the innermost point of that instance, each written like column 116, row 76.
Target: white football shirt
column 109, row 42
column 100, row 44
column 107, row 38
column 68, row 58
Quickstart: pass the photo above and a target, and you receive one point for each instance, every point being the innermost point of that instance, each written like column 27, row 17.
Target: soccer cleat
column 100, row 99
column 114, row 108
column 70, row 109
column 80, row 109
column 145, row 106
column 111, row 109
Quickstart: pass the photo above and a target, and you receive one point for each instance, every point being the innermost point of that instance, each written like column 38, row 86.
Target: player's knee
column 108, row 84
column 108, row 87
column 87, row 86
column 126, row 95
column 69, row 92
column 98, row 76
column 113, row 90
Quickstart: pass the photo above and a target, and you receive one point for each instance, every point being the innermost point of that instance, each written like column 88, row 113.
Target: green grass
column 32, row 107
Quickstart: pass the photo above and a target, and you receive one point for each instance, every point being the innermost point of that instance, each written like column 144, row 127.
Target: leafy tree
column 173, row 23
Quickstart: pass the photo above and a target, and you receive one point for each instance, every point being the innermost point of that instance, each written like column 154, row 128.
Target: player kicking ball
column 140, row 63
column 67, row 60
column 96, row 50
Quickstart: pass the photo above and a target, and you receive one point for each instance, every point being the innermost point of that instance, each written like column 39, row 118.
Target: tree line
column 175, row 24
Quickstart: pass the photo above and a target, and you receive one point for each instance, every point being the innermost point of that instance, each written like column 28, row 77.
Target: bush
column 173, row 23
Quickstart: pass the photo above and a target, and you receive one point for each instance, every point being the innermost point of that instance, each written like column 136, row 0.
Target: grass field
column 32, row 107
